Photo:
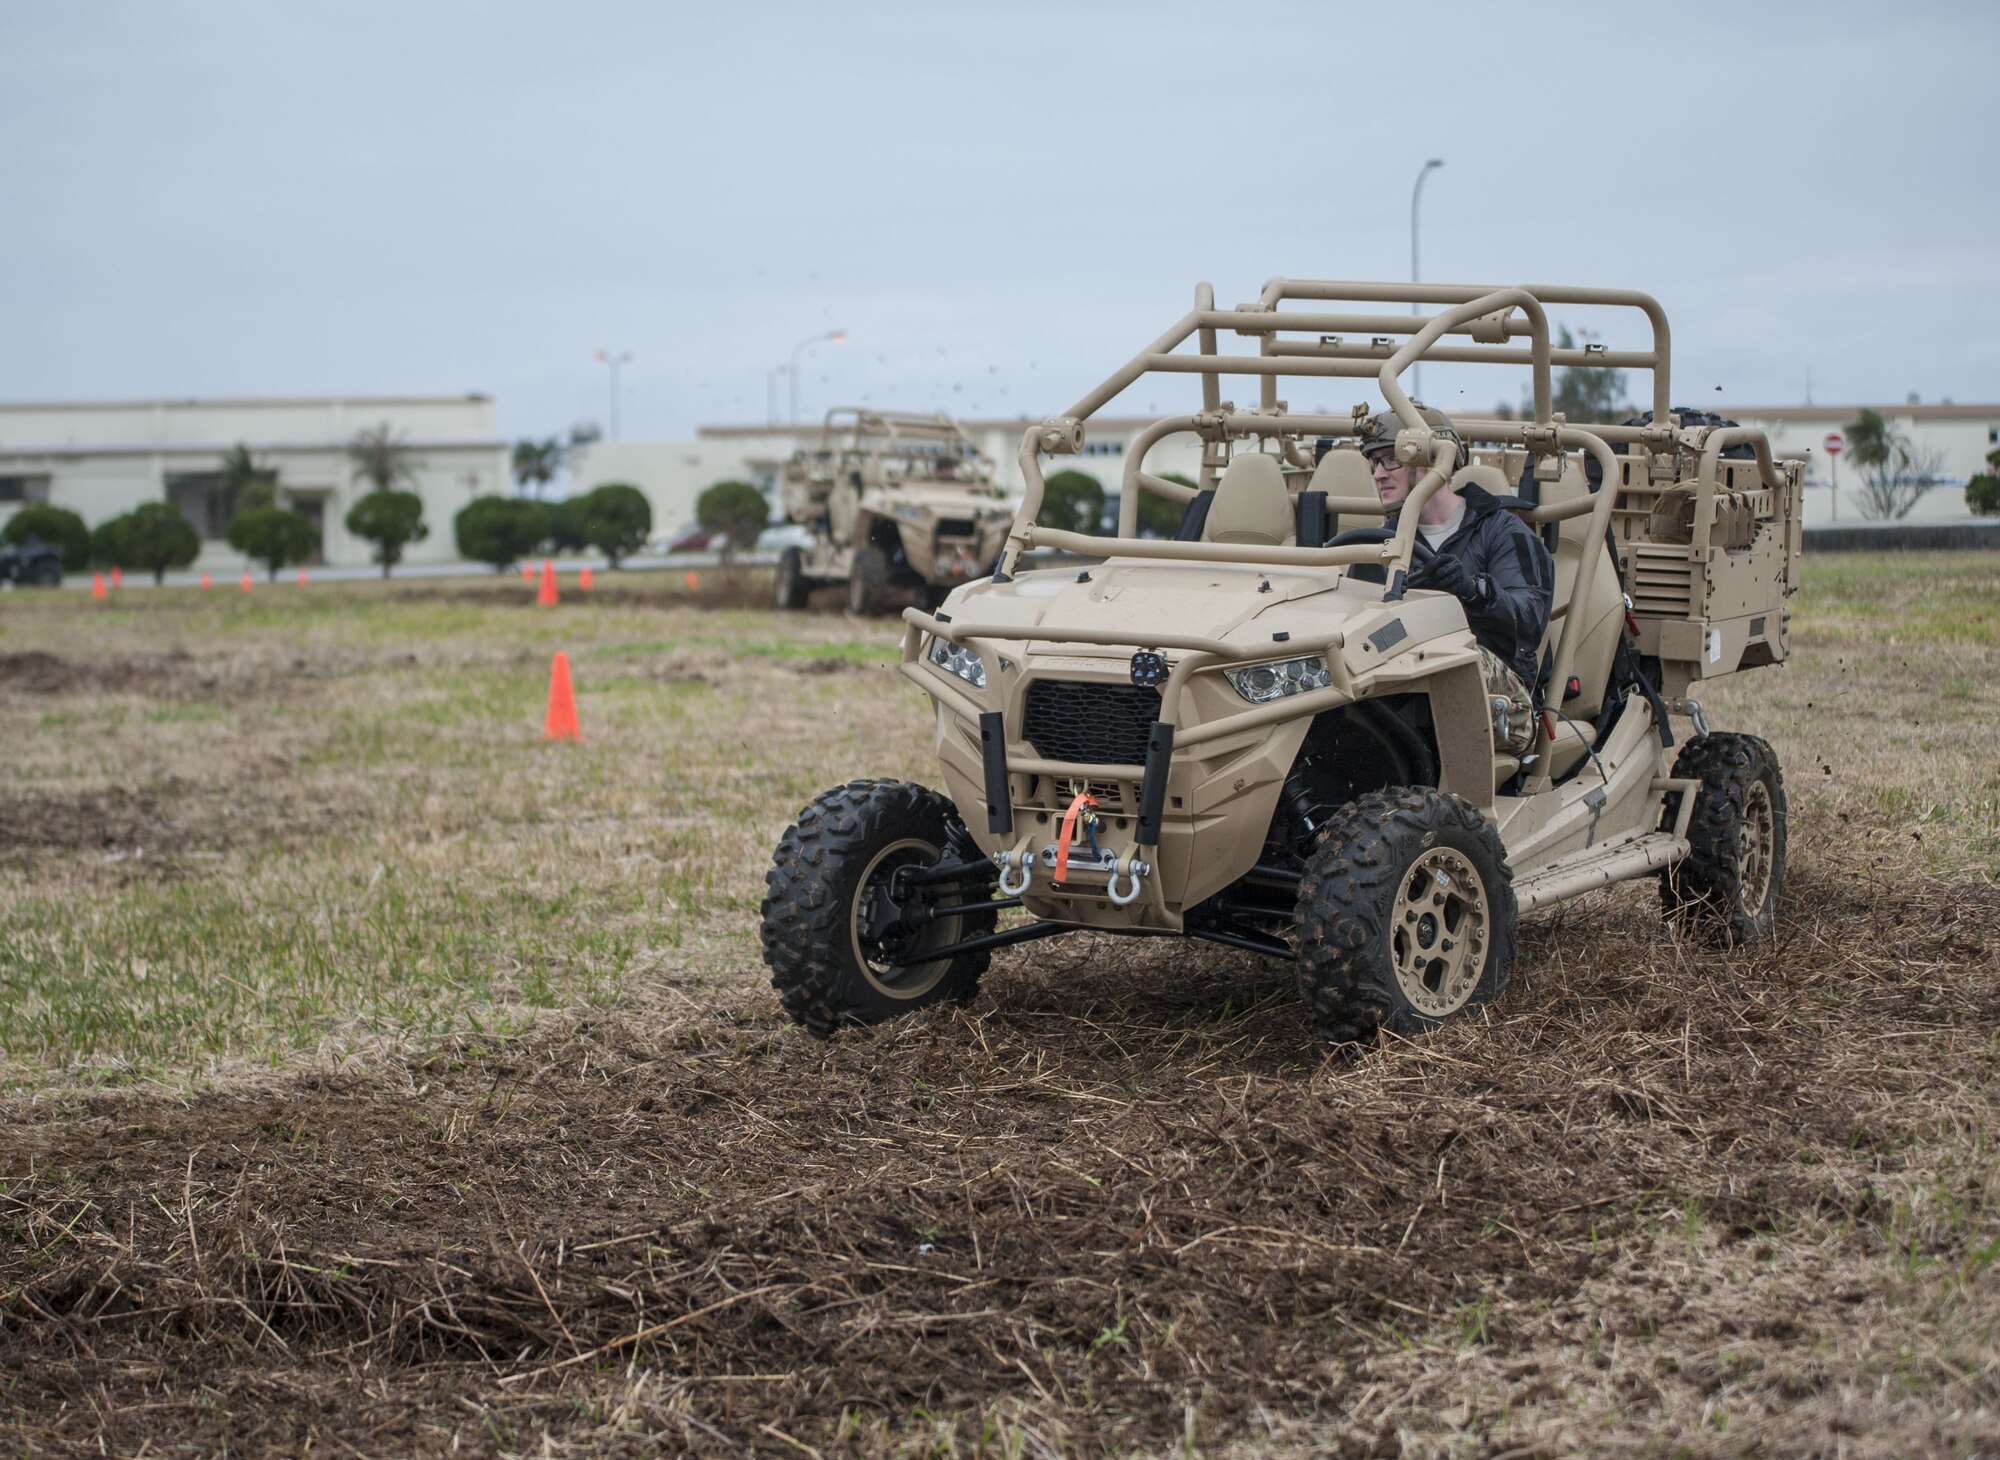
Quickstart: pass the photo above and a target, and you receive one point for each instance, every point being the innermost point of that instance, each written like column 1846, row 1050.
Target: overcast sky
column 998, row 202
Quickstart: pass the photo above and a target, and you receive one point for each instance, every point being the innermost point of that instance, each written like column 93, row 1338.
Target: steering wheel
column 1422, row 551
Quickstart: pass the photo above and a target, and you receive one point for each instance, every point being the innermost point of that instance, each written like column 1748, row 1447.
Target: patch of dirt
column 1122, row 1205
column 162, row 822
column 174, row 674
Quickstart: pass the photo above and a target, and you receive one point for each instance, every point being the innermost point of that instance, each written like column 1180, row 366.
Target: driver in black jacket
column 1486, row 558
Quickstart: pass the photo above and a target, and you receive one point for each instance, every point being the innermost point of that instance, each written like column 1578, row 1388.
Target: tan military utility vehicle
column 1259, row 735
column 895, row 503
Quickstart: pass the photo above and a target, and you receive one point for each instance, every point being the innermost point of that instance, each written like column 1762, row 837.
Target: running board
column 1597, row 867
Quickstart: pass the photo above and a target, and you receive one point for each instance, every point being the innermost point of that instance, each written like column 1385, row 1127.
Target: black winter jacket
column 1522, row 575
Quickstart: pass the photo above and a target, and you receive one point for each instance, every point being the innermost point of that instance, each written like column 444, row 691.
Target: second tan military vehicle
column 1259, row 734
column 897, row 505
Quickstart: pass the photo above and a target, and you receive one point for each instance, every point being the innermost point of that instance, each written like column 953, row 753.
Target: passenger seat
column 1251, row 505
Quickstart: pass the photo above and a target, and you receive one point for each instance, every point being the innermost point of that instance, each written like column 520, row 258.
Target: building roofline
column 237, row 402
column 71, row 450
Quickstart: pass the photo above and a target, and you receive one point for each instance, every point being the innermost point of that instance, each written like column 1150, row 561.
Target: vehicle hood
column 1238, row 605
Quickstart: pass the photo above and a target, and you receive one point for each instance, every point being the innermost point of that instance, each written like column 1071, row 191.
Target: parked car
column 33, row 562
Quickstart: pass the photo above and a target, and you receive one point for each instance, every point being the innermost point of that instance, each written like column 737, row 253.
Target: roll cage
column 906, row 444
column 1315, row 344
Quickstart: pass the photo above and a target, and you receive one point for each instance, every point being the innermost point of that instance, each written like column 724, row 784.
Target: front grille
column 956, row 527
column 1090, row 724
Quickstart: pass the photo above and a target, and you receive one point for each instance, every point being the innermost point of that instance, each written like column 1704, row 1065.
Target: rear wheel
column 791, row 586
column 1729, row 883
column 868, row 581
column 45, row 573
column 1405, row 915
column 844, row 936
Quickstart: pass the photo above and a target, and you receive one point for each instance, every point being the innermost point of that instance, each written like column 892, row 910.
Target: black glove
column 1449, row 574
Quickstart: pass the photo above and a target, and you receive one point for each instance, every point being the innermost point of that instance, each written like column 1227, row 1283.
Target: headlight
column 959, row 660
column 1262, row 683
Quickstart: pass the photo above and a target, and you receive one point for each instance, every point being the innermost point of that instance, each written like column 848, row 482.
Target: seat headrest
column 1251, row 505
column 1479, row 474
column 1343, row 472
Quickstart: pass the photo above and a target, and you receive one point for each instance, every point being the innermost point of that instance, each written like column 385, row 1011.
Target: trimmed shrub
column 565, row 526
column 1072, row 501
column 735, row 509
column 155, row 537
column 617, row 519
column 388, row 518
column 499, row 530
column 59, row 527
column 273, row 537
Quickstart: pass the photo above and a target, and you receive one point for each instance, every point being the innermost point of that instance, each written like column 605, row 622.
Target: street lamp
column 1416, row 196
column 831, row 337
column 614, row 361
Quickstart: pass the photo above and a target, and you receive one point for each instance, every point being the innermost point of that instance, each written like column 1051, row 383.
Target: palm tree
column 381, row 459
column 536, row 463
column 1871, row 441
column 246, row 486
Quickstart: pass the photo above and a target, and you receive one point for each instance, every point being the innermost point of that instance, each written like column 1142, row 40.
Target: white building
column 100, row 460
column 671, row 473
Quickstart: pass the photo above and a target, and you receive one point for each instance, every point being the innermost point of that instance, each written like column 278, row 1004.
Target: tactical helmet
column 1378, row 432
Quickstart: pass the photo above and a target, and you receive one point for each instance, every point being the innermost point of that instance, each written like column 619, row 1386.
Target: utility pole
column 1416, row 196
column 831, row 337
column 614, row 361
column 771, row 393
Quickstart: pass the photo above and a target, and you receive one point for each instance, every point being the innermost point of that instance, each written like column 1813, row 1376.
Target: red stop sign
column 1834, row 444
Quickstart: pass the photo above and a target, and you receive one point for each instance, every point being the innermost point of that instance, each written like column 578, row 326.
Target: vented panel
column 1090, row 724
column 1662, row 579
column 956, row 527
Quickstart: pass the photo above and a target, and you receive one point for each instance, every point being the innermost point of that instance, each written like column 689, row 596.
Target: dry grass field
column 381, row 1080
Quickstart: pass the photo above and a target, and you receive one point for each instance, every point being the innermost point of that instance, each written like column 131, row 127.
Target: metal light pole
column 614, row 361
column 831, row 337
column 1416, row 196
column 771, row 393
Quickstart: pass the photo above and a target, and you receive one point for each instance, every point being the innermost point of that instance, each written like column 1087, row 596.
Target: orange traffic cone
column 693, row 580
column 584, row 581
column 97, row 586
column 560, row 723
column 117, row 576
column 302, row 577
column 527, row 572
column 207, row 581
column 546, row 595
column 247, row 585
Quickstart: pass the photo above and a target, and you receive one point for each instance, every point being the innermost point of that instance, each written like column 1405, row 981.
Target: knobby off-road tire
column 790, row 587
column 1728, row 885
column 1405, row 915
column 868, row 581
column 829, row 883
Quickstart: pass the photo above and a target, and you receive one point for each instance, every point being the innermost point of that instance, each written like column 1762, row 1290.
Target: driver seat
column 1251, row 505
column 1344, row 472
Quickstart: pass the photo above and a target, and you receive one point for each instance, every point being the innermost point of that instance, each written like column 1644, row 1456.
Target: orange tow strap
column 1083, row 799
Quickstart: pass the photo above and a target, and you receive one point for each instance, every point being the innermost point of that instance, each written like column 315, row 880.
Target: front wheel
column 1405, row 915
column 844, row 936
column 1729, row 882
column 791, row 586
column 868, row 581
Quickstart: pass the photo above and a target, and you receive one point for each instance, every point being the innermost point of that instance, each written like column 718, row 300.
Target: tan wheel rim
column 1755, row 849
column 891, row 980
column 1438, row 932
